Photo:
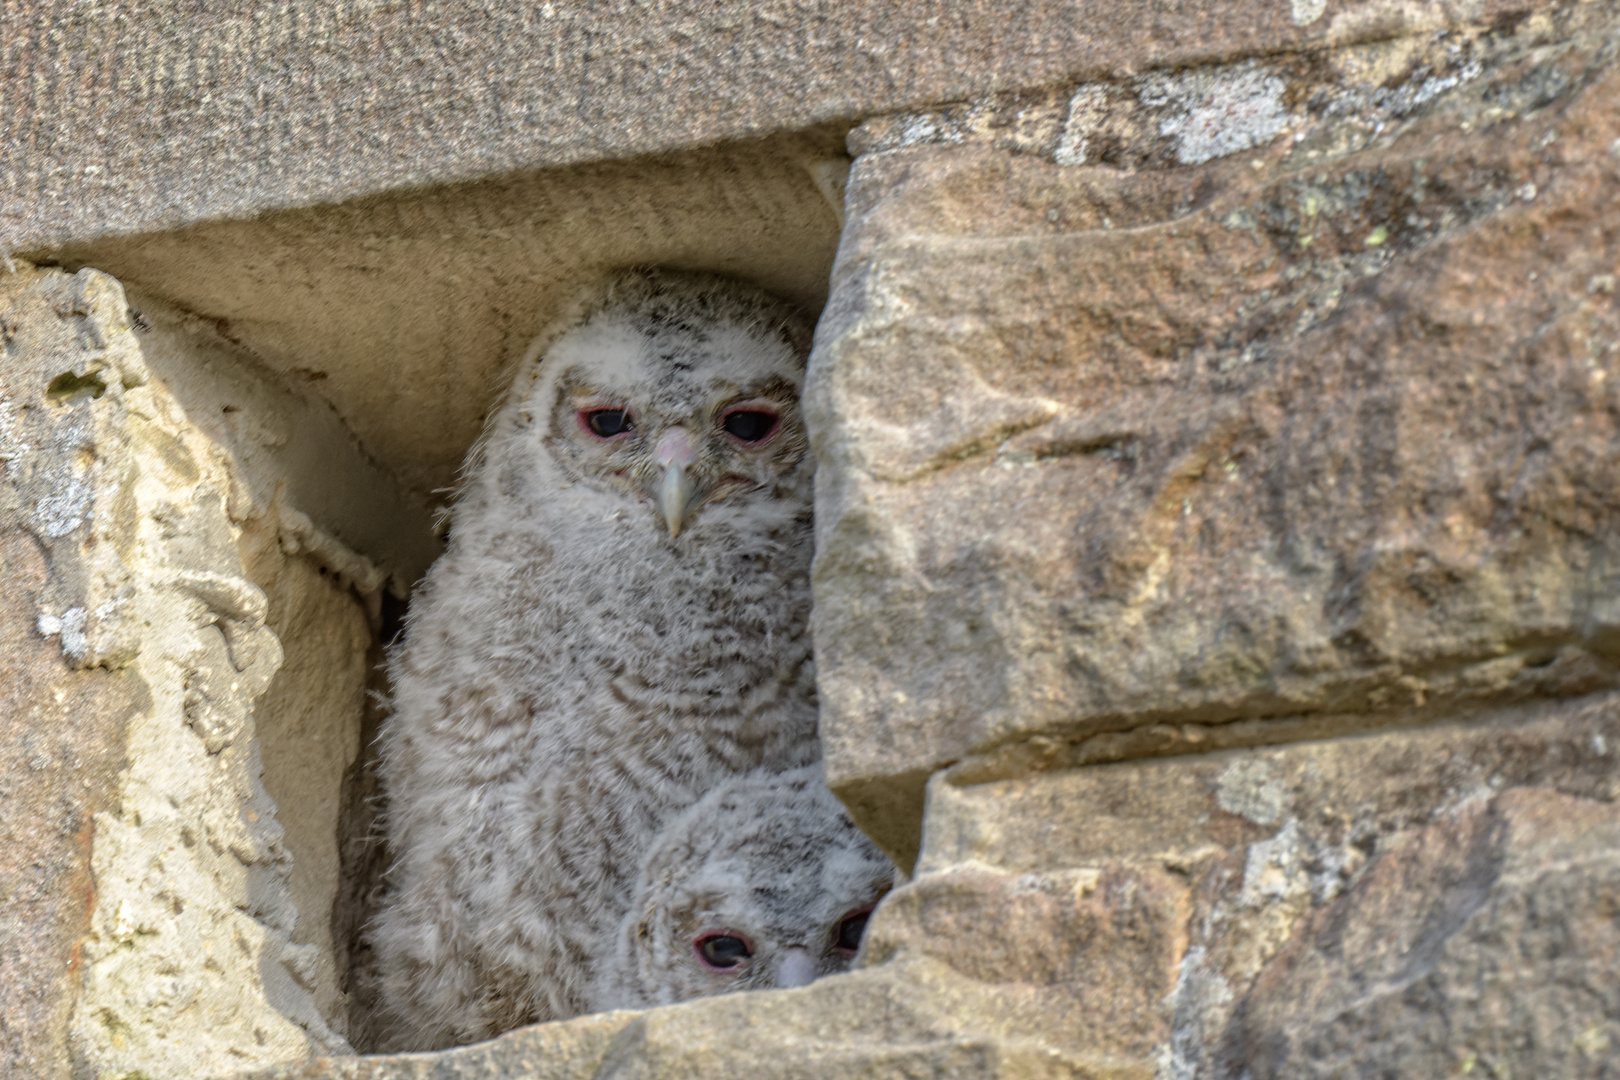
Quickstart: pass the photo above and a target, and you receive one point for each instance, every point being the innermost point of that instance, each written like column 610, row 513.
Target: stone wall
column 1235, row 405
column 170, row 918
column 110, row 110
column 1218, row 574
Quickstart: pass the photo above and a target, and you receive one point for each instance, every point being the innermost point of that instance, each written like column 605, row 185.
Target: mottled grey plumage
column 617, row 625
column 771, row 860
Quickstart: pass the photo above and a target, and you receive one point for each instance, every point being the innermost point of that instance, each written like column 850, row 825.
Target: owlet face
column 764, row 883
column 675, row 412
column 737, row 927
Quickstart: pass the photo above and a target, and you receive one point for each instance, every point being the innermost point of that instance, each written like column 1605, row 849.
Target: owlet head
column 763, row 883
column 677, row 391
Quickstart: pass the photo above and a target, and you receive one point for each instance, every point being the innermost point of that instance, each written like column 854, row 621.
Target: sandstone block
column 61, row 749
column 1480, row 942
column 1405, row 904
column 160, row 919
column 1274, row 389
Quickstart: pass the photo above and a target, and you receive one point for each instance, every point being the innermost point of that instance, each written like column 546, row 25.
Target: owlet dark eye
column 608, row 422
column 750, row 425
column 721, row 952
column 851, row 929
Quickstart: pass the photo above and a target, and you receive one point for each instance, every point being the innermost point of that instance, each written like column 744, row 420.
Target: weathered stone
column 1278, row 389
column 153, row 896
column 1404, row 904
column 62, row 615
column 308, row 725
column 1487, row 940
column 922, row 1012
column 295, row 469
column 108, row 112
column 61, row 746
column 566, row 1051
column 403, row 305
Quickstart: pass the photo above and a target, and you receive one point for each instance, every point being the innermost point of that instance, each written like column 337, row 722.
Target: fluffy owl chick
column 764, row 882
column 617, row 625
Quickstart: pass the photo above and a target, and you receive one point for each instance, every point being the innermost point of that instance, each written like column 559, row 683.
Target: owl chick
column 764, row 882
column 618, row 624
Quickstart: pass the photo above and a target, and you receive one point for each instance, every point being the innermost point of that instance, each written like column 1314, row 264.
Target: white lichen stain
column 1369, row 95
column 70, row 627
column 1087, row 109
column 1217, row 111
column 67, row 505
column 12, row 445
column 1305, row 12
column 1201, row 995
column 927, row 128
column 1248, row 789
column 64, row 510
column 1275, row 868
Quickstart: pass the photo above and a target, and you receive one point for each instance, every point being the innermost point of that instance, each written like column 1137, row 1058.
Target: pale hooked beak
column 676, row 453
column 675, row 496
column 796, row 968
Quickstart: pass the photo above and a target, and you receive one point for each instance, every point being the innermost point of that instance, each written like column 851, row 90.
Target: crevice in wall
column 307, row 383
column 363, row 853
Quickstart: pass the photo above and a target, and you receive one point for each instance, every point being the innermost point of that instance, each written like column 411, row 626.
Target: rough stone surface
column 1484, row 942
column 64, row 534
column 61, row 747
column 565, row 1051
column 1407, row 904
column 295, row 469
column 403, row 307
column 1283, row 388
column 109, row 110
column 158, row 903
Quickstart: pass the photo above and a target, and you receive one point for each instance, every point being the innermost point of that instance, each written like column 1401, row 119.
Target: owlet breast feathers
column 617, row 627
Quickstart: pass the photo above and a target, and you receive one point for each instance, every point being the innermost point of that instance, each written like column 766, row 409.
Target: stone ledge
column 110, row 111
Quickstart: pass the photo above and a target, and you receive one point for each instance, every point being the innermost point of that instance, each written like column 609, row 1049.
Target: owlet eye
column 606, row 423
column 722, row 952
column 850, row 929
column 750, row 425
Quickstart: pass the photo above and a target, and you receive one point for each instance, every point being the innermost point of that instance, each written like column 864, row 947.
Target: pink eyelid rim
column 581, row 418
column 848, row 915
column 697, row 949
column 752, row 406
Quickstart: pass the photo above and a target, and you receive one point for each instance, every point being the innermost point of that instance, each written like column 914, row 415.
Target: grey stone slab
column 132, row 118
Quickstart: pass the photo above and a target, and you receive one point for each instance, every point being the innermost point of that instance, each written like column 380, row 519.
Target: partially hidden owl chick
column 764, row 882
column 618, row 624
